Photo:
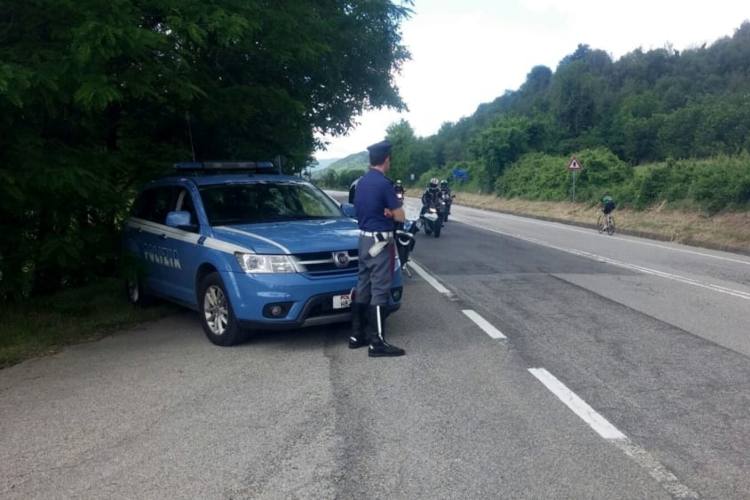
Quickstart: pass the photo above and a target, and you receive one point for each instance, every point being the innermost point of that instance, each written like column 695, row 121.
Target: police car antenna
column 190, row 132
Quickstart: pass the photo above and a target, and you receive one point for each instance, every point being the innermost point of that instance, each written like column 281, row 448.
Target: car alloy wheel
column 216, row 310
column 134, row 290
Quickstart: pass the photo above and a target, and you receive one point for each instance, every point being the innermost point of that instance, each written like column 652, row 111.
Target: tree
column 96, row 97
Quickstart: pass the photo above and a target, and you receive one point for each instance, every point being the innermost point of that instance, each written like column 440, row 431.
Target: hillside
column 356, row 161
column 687, row 113
column 320, row 165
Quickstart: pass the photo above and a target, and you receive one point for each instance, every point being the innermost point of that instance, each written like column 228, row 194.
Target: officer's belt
column 383, row 234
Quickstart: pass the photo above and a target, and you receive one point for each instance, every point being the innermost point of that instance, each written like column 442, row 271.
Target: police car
column 245, row 247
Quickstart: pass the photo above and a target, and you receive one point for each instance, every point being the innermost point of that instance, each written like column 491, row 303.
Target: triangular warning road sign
column 574, row 165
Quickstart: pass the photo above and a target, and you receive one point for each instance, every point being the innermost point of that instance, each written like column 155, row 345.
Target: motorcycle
column 432, row 218
column 448, row 199
column 405, row 242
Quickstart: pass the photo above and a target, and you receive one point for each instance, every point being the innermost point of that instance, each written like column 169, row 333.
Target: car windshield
column 266, row 202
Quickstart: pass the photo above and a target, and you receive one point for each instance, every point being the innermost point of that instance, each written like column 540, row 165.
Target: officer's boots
column 358, row 337
column 376, row 334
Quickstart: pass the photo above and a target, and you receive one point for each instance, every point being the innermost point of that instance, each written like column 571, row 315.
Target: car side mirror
column 349, row 210
column 181, row 220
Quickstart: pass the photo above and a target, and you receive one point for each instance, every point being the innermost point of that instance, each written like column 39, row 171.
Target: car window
column 153, row 204
column 266, row 202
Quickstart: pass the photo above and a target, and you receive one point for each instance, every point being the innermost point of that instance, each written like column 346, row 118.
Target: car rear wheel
column 135, row 292
column 217, row 318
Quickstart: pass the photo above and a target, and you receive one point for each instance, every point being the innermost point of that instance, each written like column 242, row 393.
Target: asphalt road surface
column 543, row 361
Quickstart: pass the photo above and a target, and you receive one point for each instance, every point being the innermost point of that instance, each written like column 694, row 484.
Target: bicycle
column 606, row 222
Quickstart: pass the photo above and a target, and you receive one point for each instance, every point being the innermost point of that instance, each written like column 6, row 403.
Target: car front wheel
column 217, row 318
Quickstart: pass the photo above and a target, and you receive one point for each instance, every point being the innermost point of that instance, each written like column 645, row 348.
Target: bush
column 538, row 176
column 535, row 176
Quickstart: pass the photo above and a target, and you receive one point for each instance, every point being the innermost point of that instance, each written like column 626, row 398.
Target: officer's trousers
column 375, row 273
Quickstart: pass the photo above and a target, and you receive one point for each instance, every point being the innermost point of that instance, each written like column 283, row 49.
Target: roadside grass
column 44, row 325
column 727, row 230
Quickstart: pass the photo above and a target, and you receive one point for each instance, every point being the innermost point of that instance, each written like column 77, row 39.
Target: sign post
column 574, row 167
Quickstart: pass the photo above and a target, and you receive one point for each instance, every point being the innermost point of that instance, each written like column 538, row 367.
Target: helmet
column 398, row 182
column 434, row 182
column 444, row 184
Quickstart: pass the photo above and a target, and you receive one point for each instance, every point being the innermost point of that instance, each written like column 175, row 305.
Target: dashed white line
column 484, row 324
column 577, row 405
column 429, row 279
column 606, row 430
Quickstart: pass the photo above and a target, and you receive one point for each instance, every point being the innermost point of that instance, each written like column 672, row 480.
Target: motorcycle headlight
column 255, row 263
column 433, row 210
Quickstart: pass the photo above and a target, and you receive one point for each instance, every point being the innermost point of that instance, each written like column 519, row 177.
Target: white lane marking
column 655, row 469
column 560, row 225
column 601, row 426
column 675, row 277
column 484, row 324
column 577, row 405
column 428, row 278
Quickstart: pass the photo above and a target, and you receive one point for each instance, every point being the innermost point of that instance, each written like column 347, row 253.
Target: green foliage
column 96, row 97
column 46, row 324
column 712, row 184
column 501, row 144
column 410, row 154
column 535, row 176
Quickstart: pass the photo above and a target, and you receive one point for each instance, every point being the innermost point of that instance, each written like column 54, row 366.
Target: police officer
column 377, row 210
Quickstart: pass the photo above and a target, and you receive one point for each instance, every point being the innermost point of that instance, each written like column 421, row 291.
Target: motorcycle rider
column 431, row 195
column 399, row 188
column 445, row 192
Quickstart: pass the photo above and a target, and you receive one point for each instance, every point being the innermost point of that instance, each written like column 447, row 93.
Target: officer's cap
column 379, row 152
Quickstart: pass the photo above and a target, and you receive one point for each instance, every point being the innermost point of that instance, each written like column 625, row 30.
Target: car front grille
column 321, row 264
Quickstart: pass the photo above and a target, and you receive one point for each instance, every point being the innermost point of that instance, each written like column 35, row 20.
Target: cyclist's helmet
column 434, row 183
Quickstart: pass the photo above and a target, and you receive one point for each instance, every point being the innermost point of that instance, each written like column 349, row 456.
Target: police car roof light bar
column 226, row 166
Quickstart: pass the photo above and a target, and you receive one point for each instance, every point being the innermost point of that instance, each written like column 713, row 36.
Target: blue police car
column 245, row 247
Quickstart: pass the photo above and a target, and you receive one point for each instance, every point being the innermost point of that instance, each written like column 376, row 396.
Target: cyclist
column 608, row 205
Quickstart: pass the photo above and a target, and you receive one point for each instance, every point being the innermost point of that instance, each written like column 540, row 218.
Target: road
column 597, row 367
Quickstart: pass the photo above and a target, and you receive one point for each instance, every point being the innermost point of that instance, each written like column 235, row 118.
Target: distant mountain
column 323, row 164
column 356, row 161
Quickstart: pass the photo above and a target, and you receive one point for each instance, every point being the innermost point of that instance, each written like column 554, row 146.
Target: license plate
column 342, row 301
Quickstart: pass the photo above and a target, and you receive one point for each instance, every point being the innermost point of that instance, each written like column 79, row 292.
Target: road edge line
column 429, row 278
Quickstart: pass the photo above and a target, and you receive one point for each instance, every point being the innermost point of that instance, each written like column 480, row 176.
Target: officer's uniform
column 377, row 253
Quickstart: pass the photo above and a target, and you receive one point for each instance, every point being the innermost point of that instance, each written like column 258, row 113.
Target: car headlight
column 255, row 263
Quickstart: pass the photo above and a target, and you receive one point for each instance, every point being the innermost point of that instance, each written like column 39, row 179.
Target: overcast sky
column 466, row 52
